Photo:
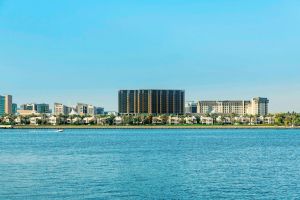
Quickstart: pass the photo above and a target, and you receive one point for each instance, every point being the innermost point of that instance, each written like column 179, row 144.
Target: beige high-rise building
column 256, row 106
column 8, row 104
column 259, row 106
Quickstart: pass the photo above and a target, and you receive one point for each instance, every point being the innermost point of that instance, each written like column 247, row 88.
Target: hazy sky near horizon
column 72, row 51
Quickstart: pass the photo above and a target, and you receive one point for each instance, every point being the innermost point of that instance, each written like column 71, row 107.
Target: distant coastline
column 155, row 127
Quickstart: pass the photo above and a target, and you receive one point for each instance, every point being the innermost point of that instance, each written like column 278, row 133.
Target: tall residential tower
column 5, row 104
column 151, row 101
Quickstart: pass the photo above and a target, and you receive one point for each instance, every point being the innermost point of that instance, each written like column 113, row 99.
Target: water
column 150, row 164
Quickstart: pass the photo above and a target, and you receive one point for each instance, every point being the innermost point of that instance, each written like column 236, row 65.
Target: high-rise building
column 82, row 108
column 14, row 108
column 85, row 109
column 8, row 104
column 256, row 106
column 259, row 106
column 42, row 108
column 190, row 107
column 151, row 101
column 60, row 109
column 91, row 110
column 2, row 105
column 5, row 104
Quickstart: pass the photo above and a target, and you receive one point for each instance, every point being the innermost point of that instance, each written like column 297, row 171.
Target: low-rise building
column 53, row 120
column 174, row 120
column 90, row 120
column 102, row 120
column 27, row 112
column 190, row 120
column 242, row 119
column 157, row 120
column 35, row 120
column 18, row 120
column 118, row 120
column 269, row 120
column 75, row 120
column 206, row 120
column 8, row 119
column 223, row 120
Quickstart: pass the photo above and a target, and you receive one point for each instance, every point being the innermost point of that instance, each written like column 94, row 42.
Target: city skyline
column 155, row 101
column 77, row 51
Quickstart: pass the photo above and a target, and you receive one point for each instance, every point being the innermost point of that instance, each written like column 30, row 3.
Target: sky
column 71, row 51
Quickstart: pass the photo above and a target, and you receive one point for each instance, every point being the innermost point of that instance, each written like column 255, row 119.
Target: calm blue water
column 150, row 164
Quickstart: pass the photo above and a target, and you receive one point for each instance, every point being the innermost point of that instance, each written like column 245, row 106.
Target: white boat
column 6, row 126
column 59, row 131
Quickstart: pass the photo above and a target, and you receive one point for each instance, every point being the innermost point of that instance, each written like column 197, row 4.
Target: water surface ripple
column 150, row 164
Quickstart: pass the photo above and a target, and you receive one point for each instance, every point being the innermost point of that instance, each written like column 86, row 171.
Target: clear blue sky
column 85, row 51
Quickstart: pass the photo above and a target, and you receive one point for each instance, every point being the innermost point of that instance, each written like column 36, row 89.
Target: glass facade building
column 42, row 108
column 39, row 108
column 2, row 105
column 5, row 104
column 14, row 108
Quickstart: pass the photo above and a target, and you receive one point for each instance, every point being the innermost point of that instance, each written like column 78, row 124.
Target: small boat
column 6, row 126
column 59, row 130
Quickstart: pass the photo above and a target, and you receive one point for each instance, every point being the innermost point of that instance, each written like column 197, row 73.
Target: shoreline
column 153, row 127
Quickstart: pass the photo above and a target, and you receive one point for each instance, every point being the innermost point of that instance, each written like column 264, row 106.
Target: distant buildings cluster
column 173, row 102
column 153, row 101
column 33, row 108
column 80, row 109
column 7, row 107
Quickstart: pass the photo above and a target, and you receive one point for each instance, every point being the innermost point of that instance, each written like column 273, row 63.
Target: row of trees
column 287, row 119
column 280, row 119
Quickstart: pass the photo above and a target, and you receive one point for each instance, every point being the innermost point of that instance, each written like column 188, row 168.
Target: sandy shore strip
column 155, row 127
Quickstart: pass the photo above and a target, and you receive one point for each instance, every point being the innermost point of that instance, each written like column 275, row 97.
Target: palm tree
column 232, row 117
